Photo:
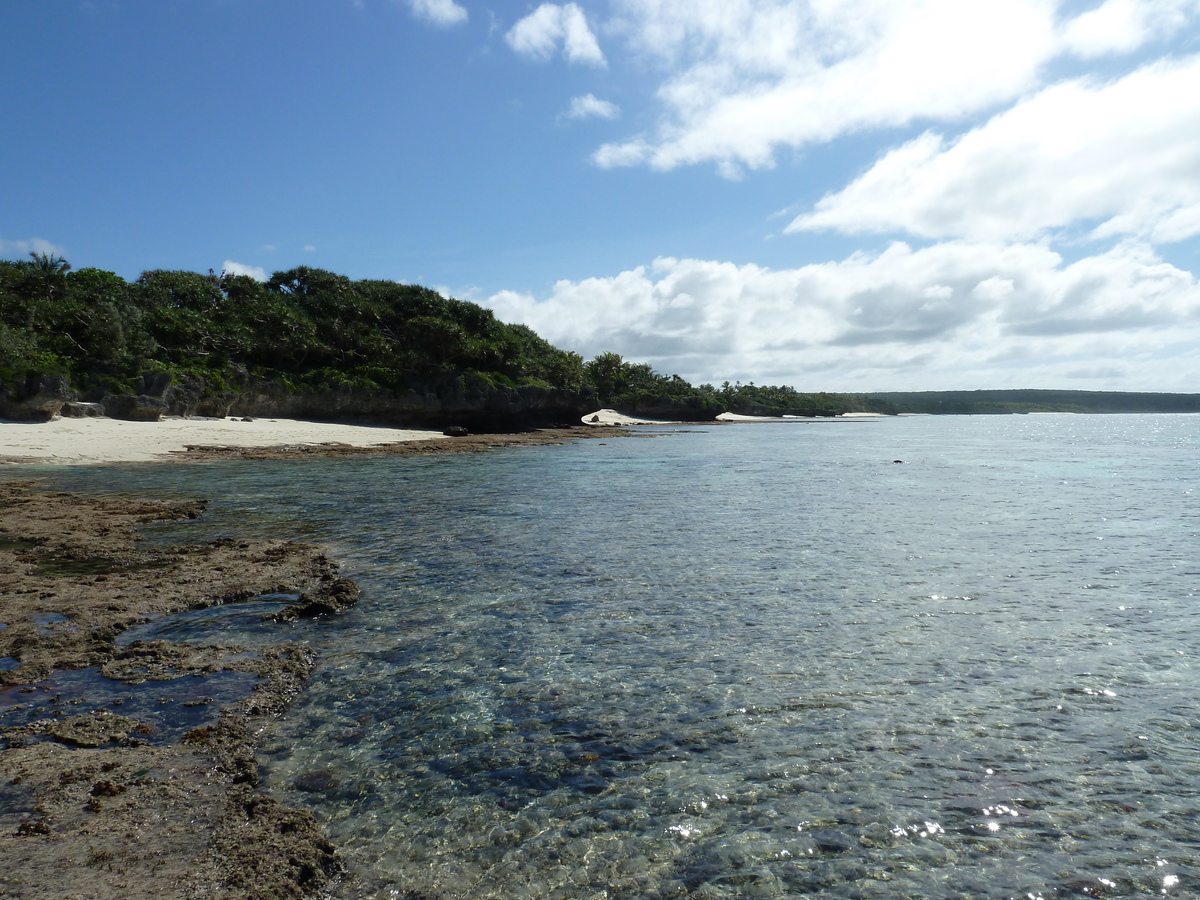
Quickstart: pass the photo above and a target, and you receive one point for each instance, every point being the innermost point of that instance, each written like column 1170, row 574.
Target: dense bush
column 303, row 327
column 309, row 329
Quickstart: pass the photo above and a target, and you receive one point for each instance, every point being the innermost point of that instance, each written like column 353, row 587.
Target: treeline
column 764, row 400
column 1008, row 402
column 634, row 385
column 304, row 327
column 308, row 331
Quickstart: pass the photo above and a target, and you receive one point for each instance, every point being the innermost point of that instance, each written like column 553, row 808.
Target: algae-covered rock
column 92, row 729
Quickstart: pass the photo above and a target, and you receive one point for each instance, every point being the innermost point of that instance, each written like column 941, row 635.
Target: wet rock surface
column 104, row 803
column 464, row 443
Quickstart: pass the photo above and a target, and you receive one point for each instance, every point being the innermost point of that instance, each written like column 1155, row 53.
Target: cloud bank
column 744, row 77
column 996, row 315
column 1011, row 137
column 1123, row 155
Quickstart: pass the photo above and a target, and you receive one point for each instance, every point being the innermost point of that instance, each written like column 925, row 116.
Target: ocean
column 917, row 657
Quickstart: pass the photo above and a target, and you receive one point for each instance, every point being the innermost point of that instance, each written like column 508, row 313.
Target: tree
column 605, row 371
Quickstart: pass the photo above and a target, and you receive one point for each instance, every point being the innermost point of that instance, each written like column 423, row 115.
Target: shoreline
column 103, row 441
column 106, row 794
column 107, row 798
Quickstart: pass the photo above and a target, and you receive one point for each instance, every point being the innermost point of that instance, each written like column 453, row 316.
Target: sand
column 612, row 417
column 99, row 441
column 735, row 417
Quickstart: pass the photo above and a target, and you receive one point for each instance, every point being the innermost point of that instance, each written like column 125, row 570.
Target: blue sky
column 835, row 194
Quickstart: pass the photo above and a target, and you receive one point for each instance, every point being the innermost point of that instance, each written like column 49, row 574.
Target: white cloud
column 957, row 314
column 589, row 106
column 744, row 77
column 236, row 268
column 1121, row 26
column 309, row 248
column 1124, row 156
column 442, row 13
column 1013, row 159
column 32, row 245
column 750, row 75
column 539, row 35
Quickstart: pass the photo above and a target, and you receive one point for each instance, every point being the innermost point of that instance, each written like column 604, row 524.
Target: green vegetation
column 637, row 387
column 754, row 400
column 305, row 328
column 307, row 331
column 397, row 350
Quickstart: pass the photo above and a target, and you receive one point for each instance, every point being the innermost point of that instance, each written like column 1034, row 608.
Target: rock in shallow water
column 315, row 782
column 92, row 730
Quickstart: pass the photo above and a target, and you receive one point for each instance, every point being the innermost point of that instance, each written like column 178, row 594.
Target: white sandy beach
column 94, row 441
column 612, row 417
column 735, row 417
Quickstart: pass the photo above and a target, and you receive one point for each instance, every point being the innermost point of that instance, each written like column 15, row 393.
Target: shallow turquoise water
column 751, row 661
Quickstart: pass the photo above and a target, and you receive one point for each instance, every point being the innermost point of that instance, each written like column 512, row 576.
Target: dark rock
column 831, row 840
column 468, row 401
column 335, row 597
column 92, row 730
column 694, row 409
column 315, row 782
column 463, row 399
column 78, row 409
column 38, row 399
column 456, row 431
column 276, row 851
column 193, row 396
column 155, row 384
column 594, row 419
column 140, row 408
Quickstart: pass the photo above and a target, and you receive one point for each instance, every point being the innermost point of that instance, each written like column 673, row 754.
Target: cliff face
column 690, row 409
column 490, row 409
column 38, row 398
column 475, row 405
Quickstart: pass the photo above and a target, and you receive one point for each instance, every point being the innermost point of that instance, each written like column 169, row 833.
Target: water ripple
column 757, row 662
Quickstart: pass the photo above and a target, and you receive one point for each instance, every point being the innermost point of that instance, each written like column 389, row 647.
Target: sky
column 839, row 195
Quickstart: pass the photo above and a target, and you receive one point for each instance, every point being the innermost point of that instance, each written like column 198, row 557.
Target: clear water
column 752, row 661
column 245, row 624
column 168, row 708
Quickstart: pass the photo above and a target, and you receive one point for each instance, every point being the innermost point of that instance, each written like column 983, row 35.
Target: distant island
column 308, row 343
column 1034, row 401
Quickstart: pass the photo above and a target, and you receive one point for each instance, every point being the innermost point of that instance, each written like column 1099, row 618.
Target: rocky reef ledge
column 105, row 801
column 469, row 443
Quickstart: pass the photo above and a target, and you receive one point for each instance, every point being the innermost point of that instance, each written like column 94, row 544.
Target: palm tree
column 49, row 273
column 50, row 263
